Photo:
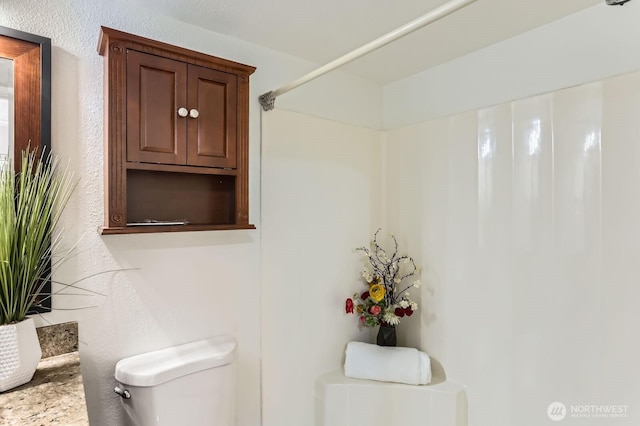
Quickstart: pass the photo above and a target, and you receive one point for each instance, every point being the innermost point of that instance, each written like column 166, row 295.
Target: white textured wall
column 596, row 43
column 189, row 285
column 525, row 216
column 322, row 197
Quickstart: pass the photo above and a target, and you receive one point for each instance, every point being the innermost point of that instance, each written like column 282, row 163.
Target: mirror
column 25, row 91
column 6, row 109
column 25, row 101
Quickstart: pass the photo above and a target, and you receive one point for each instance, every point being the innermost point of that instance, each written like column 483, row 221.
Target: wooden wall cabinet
column 176, row 138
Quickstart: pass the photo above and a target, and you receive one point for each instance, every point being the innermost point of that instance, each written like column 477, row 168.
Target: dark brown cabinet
column 176, row 138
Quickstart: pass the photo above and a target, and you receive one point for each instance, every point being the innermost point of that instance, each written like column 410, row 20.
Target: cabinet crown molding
column 109, row 36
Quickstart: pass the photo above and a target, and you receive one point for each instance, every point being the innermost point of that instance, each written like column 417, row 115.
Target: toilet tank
column 191, row 384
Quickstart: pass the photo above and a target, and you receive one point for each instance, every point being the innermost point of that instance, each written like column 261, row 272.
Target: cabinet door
column 212, row 135
column 156, row 89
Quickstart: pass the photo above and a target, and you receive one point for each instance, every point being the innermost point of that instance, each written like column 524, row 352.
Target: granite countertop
column 55, row 395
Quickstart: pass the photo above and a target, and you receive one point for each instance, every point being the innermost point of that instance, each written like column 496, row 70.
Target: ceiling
column 321, row 31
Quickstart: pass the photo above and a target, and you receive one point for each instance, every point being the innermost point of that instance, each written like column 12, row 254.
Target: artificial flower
column 399, row 312
column 377, row 292
column 375, row 310
column 391, row 319
column 349, row 306
column 404, row 304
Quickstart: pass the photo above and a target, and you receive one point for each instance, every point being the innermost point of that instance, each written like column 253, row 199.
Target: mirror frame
column 31, row 55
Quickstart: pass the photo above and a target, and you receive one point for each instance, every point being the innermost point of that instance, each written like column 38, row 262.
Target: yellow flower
column 376, row 292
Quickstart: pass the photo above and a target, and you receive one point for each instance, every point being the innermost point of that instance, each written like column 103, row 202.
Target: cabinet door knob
column 183, row 112
column 194, row 113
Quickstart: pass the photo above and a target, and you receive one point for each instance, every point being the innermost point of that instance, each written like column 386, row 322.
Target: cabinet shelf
column 181, row 169
column 172, row 228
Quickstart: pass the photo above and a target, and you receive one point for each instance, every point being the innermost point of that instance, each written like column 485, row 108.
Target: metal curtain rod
column 267, row 100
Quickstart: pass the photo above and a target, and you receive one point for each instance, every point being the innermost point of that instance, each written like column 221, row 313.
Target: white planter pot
column 19, row 354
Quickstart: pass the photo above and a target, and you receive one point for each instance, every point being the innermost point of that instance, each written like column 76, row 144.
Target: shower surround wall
column 526, row 218
column 322, row 195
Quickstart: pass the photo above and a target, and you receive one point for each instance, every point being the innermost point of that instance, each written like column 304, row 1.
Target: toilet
column 191, row 384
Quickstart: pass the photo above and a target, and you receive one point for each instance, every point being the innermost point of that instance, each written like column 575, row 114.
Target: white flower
column 406, row 294
column 382, row 254
column 414, row 306
column 396, row 280
column 417, row 284
column 404, row 304
column 406, row 260
column 391, row 318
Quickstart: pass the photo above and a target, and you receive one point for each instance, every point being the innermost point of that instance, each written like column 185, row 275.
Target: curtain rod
column 267, row 100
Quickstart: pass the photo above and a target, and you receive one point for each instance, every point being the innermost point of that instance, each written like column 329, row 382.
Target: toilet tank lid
column 154, row 368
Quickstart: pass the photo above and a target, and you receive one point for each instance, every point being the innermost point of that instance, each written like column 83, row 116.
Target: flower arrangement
column 387, row 298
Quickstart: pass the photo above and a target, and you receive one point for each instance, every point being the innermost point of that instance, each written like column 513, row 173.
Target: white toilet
column 191, row 384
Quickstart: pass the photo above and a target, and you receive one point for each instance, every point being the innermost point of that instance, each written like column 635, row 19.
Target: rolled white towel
column 387, row 364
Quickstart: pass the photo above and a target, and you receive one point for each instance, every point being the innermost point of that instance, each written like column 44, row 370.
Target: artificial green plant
column 31, row 204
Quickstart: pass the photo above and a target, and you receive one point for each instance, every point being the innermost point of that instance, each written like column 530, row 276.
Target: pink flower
column 375, row 310
column 362, row 320
column 349, row 306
